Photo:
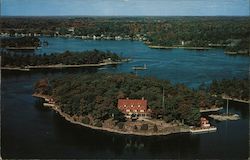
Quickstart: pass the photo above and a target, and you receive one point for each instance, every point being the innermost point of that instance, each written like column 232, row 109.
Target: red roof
column 132, row 105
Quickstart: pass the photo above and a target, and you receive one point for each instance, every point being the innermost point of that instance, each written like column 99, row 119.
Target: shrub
column 120, row 125
column 98, row 124
column 135, row 127
column 155, row 128
column 85, row 120
column 168, row 118
column 144, row 127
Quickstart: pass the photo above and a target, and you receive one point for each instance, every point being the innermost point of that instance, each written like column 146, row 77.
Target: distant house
column 182, row 43
column 71, row 29
column 134, row 108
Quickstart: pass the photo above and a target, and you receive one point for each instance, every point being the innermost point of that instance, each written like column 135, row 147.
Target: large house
column 134, row 108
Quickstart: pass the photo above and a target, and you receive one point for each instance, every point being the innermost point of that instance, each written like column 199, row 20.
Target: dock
column 211, row 110
column 199, row 130
column 225, row 117
column 204, row 127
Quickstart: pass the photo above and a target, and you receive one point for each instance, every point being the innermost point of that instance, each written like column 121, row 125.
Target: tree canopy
column 232, row 33
column 97, row 95
column 66, row 58
column 234, row 88
column 20, row 42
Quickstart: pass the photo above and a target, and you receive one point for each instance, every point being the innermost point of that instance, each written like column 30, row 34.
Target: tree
column 155, row 129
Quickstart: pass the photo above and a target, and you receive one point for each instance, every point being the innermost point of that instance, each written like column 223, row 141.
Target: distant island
column 67, row 59
column 20, row 43
column 230, row 33
column 125, row 103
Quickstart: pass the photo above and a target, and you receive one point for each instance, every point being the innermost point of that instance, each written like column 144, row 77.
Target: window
column 139, row 105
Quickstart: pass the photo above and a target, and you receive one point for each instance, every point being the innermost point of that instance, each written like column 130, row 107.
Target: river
column 30, row 131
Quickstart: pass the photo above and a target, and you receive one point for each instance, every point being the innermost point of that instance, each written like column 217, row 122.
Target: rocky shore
column 164, row 128
column 56, row 66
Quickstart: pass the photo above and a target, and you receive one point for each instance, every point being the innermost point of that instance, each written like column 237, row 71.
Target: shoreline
column 210, row 110
column 243, row 53
column 225, row 97
column 235, row 99
column 57, row 66
column 15, row 68
column 175, row 47
column 71, row 120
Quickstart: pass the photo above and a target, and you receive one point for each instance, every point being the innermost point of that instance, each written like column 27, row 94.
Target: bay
column 30, row 131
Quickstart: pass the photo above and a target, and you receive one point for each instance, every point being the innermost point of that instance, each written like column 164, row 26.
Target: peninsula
column 94, row 58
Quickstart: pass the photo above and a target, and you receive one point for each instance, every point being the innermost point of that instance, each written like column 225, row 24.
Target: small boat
column 140, row 67
column 48, row 105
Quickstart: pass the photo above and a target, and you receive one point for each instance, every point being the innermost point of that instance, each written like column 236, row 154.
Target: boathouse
column 134, row 108
column 204, row 122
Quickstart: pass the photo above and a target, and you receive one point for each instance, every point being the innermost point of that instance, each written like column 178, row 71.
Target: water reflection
column 123, row 145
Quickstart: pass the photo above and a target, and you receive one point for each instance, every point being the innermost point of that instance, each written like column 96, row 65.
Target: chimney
column 142, row 98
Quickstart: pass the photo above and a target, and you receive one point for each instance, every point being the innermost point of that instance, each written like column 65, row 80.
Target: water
column 30, row 131
column 177, row 65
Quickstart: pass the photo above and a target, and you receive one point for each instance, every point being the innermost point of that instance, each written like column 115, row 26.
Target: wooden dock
column 202, row 130
column 211, row 110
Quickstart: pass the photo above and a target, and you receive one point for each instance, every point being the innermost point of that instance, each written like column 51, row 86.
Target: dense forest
column 66, row 58
column 234, row 88
column 97, row 95
column 231, row 33
column 20, row 42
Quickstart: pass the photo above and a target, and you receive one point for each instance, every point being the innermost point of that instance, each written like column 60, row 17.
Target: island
column 125, row 103
column 94, row 58
column 20, row 43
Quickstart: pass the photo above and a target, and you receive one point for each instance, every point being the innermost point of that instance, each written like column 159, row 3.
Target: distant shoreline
column 195, row 48
column 174, row 47
column 56, row 66
column 71, row 120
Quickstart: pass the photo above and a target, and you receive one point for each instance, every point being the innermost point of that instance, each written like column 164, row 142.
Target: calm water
column 29, row 131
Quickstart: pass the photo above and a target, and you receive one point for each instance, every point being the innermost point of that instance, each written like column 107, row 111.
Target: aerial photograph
column 125, row 79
